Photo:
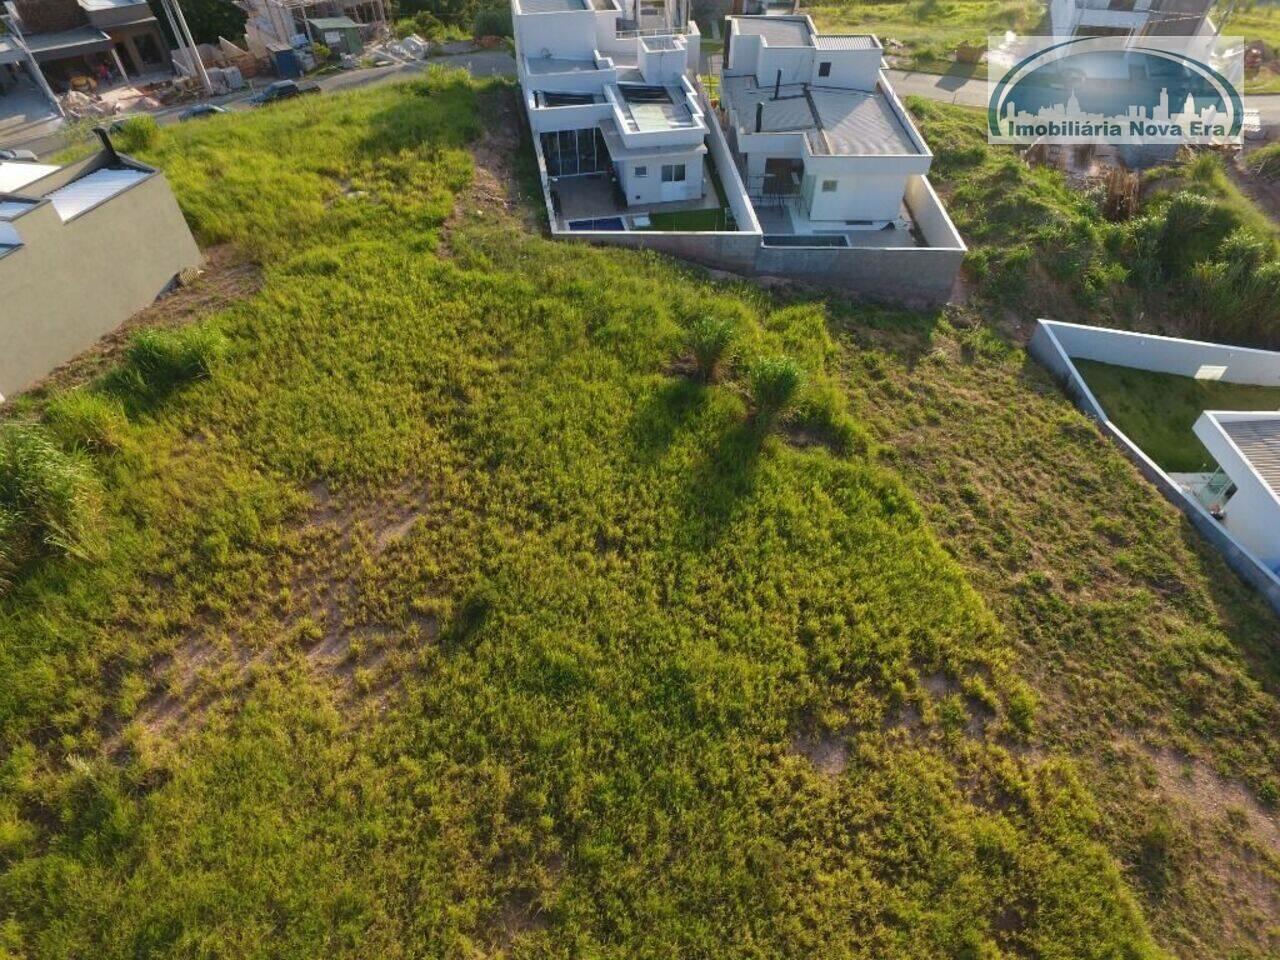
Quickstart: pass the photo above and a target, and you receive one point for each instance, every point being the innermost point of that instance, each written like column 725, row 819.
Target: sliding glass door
column 572, row 153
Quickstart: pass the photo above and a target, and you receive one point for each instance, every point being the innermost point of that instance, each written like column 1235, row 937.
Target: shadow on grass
column 669, row 410
column 444, row 110
column 722, row 482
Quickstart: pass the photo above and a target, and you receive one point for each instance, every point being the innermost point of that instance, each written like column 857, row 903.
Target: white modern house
column 611, row 99
column 1126, row 18
column 1246, row 446
column 805, row 166
column 823, row 143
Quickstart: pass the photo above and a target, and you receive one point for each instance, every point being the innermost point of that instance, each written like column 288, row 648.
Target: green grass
column 444, row 615
column 715, row 219
column 1199, row 259
column 1157, row 410
column 930, row 29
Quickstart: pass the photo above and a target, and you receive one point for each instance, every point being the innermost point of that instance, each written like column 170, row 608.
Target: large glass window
column 673, row 173
column 570, row 153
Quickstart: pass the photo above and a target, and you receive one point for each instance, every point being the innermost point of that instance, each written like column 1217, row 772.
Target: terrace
column 648, row 109
column 595, row 199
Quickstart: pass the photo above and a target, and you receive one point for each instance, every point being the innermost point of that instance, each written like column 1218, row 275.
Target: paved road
column 481, row 63
column 973, row 93
column 952, row 89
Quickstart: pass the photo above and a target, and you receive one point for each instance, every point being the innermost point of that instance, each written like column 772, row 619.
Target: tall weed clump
column 159, row 361
column 87, row 420
column 136, row 133
column 47, row 499
column 775, row 384
column 711, row 341
column 1236, row 295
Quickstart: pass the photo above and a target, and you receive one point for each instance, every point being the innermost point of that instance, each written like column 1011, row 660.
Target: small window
column 829, row 186
column 824, row 68
column 641, row 171
column 673, row 173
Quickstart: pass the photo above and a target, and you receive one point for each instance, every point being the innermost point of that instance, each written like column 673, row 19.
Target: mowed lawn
column 451, row 616
column 1158, row 410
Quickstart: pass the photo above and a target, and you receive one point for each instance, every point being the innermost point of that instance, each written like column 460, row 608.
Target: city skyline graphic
column 1113, row 90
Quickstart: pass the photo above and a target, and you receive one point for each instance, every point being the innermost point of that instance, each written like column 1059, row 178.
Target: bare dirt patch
column 827, row 752
column 495, row 183
column 313, row 610
column 1213, row 796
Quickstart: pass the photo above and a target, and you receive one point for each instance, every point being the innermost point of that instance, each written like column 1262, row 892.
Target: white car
column 17, row 155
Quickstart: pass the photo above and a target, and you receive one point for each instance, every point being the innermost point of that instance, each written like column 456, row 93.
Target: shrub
column 94, row 421
column 46, row 498
column 1265, row 162
column 158, row 361
column 321, row 52
column 493, row 22
column 136, row 133
column 710, row 339
column 775, row 384
column 423, row 24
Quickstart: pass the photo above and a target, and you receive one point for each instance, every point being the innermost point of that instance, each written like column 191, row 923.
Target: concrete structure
column 1125, row 18
column 62, row 40
column 613, row 106
column 624, row 135
column 273, row 24
column 341, row 34
column 1250, row 543
column 821, row 141
column 1247, row 448
column 82, row 247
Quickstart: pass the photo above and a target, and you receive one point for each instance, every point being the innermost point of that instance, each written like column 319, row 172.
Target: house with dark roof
column 823, row 144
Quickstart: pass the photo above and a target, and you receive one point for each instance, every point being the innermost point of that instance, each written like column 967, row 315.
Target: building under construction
column 273, row 24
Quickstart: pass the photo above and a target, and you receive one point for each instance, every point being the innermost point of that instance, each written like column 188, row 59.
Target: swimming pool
column 599, row 223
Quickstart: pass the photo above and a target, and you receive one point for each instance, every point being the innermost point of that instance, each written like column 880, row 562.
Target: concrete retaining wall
column 71, row 283
column 1053, row 345
column 1166, row 354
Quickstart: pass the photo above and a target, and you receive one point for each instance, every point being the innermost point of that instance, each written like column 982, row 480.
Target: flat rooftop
column 798, row 31
column 652, row 108
column 836, row 122
column 564, row 6
column 540, row 66
column 1259, row 441
column 777, row 31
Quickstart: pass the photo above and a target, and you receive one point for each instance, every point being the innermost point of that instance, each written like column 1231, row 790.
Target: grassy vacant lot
column 1157, row 410
column 931, row 29
column 1199, row 259
column 450, row 616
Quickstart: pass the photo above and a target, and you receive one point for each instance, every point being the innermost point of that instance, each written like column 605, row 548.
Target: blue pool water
column 600, row 223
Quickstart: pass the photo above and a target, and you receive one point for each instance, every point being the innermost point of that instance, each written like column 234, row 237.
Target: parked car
column 283, row 90
column 17, row 155
column 199, row 111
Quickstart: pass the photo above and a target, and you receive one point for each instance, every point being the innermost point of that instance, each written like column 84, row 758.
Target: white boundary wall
column 1186, row 358
column 1056, row 345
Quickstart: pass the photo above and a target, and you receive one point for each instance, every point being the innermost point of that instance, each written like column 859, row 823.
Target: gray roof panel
column 1259, row 441
column 864, row 41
